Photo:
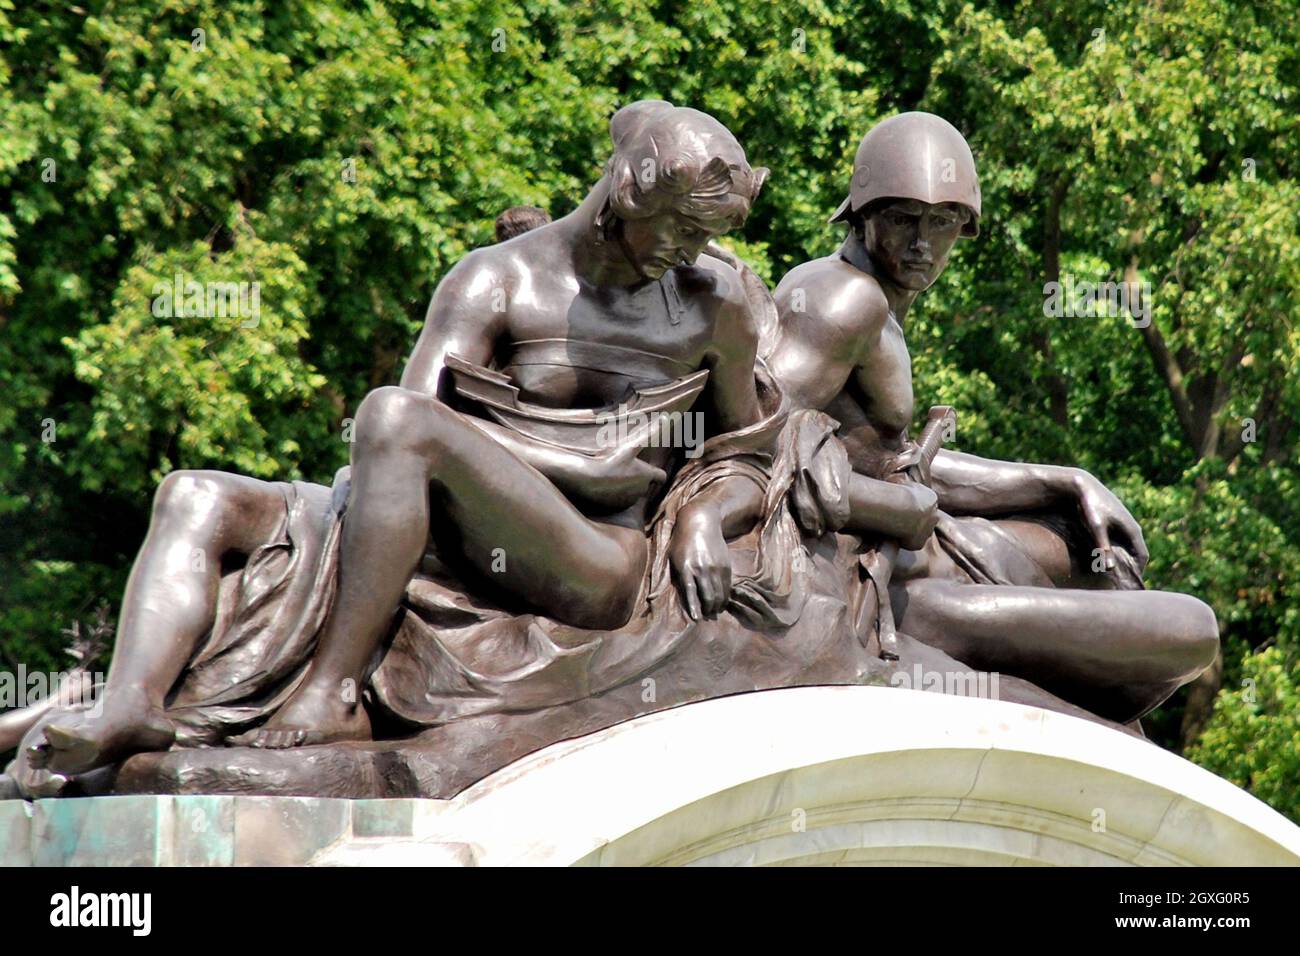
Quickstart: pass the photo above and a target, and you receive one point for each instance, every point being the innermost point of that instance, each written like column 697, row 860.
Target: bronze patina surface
column 619, row 476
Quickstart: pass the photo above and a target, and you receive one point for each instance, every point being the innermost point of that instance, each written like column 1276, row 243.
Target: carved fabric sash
column 596, row 356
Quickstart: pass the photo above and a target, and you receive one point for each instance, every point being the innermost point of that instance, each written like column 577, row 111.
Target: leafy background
column 1116, row 141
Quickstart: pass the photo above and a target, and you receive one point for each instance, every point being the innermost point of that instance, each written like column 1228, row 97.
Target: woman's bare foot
column 311, row 716
column 126, row 725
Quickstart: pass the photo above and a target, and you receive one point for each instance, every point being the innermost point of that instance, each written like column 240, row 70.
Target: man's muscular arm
column 968, row 484
column 844, row 332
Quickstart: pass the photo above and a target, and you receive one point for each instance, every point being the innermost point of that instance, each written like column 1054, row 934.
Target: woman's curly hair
column 670, row 157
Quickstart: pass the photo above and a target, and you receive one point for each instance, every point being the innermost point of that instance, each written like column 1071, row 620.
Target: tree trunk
column 1058, row 392
column 1201, row 694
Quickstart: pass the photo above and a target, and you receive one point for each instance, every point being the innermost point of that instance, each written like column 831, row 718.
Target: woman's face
column 912, row 240
column 657, row 243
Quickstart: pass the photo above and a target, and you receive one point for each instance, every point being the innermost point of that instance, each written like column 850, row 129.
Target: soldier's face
column 911, row 240
column 657, row 243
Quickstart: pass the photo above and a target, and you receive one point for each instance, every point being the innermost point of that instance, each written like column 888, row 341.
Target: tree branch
column 1171, row 372
column 1058, row 392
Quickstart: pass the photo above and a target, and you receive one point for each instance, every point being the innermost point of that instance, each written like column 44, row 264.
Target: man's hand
column 906, row 511
column 911, row 458
column 701, row 561
column 1104, row 512
column 921, row 517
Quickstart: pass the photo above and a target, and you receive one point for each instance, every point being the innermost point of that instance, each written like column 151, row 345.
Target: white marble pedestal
column 815, row 775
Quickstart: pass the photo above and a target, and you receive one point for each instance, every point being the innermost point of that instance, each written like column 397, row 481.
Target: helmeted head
column 677, row 178
column 914, row 192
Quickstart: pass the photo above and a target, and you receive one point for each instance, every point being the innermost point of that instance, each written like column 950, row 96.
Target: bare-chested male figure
column 1004, row 591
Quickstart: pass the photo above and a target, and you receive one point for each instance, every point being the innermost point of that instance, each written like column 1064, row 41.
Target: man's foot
column 97, row 738
column 311, row 716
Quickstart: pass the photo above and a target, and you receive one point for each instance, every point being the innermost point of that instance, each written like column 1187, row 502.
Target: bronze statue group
column 487, row 577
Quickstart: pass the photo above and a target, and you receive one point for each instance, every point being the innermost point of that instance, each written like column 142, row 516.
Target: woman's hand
column 1103, row 512
column 701, row 560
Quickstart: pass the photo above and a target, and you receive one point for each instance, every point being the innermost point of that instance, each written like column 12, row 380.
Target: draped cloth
column 986, row 553
column 452, row 653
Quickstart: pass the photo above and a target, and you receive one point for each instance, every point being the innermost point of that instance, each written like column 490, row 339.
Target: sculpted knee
column 1205, row 639
column 394, row 420
column 1198, row 635
column 613, row 594
column 187, row 494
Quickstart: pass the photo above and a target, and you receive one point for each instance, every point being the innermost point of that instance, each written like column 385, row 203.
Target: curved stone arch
column 860, row 775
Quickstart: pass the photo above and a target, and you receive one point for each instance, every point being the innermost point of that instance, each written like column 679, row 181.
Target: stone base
column 443, row 761
column 817, row 775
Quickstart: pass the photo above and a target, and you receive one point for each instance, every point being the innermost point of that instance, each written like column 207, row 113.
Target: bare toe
column 65, row 740
column 38, row 755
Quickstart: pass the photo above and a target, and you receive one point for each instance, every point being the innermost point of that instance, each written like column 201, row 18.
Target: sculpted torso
column 523, row 308
column 841, row 350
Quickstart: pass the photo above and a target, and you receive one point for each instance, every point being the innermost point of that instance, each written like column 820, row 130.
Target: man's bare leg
column 509, row 520
column 199, row 517
column 1117, row 653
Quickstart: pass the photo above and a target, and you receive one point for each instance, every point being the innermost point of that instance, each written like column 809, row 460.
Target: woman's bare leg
column 1117, row 653
column 199, row 517
column 508, row 520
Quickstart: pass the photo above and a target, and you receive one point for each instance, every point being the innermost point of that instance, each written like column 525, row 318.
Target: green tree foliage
column 1254, row 739
column 343, row 156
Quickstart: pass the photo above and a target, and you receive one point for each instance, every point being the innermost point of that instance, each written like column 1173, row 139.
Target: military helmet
column 914, row 156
